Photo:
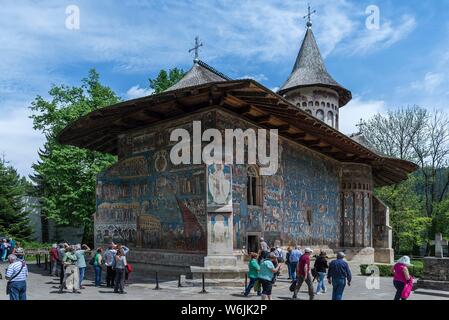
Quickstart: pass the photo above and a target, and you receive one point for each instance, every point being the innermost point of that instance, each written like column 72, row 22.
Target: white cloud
column 357, row 109
column 367, row 41
column 259, row 77
column 19, row 142
column 138, row 92
column 431, row 83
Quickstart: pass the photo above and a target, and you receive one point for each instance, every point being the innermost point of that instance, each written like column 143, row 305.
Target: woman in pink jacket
column 402, row 279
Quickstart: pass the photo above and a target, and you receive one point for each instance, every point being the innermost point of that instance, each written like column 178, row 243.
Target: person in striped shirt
column 17, row 273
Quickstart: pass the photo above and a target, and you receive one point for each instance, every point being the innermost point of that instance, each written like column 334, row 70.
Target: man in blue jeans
column 337, row 275
column 17, row 274
column 293, row 260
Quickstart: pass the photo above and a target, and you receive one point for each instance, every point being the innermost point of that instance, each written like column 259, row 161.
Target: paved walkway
column 43, row 287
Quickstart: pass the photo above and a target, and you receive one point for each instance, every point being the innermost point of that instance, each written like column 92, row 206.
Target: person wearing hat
column 303, row 274
column 401, row 276
column 321, row 267
column 339, row 272
column 263, row 248
column 267, row 270
column 17, row 274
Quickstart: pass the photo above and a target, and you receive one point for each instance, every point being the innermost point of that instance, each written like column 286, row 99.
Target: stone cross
column 360, row 125
column 308, row 16
column 439, row 243
column 197, row 47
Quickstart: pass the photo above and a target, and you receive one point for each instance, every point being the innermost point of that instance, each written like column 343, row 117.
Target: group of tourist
column 265, row 266
column 69, row 263
column 7, row 247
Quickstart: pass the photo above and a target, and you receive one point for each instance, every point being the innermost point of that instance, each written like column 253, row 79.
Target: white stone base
column 384, row 255
column 220, row 262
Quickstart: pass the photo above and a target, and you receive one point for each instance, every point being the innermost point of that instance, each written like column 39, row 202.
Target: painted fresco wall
column 301, row 202
column 146, row 202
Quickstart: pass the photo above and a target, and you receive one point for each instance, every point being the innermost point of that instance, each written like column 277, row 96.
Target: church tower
column 311, row 87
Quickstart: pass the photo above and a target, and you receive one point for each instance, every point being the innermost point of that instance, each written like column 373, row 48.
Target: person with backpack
column 320, row 268
column 71, row 273
column 287, row 259
column 97, row 261
column 402, row 280
column 17, row 274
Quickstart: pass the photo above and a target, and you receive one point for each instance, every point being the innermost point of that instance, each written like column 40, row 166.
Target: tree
column 165, row 79
column 65, row 176
column 14, row 220
column 420, row 136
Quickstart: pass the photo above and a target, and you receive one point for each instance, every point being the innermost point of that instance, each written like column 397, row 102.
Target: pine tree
column 14, row 220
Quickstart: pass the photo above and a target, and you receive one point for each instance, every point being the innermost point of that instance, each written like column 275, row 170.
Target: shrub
column 416, row 270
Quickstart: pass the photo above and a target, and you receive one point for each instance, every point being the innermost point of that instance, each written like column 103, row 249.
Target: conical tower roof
column 200, row 73
column 309, row 70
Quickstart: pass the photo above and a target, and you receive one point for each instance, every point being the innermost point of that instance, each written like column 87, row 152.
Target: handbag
column 8, row 284
column 257, row 286
column 408, row 288
column 129, row 268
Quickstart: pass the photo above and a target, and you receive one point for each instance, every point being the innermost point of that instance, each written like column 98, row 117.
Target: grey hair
column 12, row 258
column 341, row 255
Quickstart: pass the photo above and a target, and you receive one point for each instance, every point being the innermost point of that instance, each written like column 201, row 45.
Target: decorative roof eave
column 344, row 94
column 100, row 129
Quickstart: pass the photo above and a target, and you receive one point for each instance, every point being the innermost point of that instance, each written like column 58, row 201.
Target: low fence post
column 204, row 285
column 157, row 282
column 179, row 282
column 45, row 262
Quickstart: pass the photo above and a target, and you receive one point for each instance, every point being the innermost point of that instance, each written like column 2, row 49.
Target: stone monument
column 436, row 269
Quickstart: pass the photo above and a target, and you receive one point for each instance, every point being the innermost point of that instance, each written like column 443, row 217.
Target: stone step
column 430, row 292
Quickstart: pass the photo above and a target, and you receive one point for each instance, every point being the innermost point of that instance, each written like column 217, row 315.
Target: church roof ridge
column 310, row 70
column 200, row 73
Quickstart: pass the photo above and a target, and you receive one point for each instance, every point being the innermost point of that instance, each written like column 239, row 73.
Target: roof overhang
column 99, row 130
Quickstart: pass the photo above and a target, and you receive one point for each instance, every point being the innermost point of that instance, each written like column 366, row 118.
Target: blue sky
column 404, row 62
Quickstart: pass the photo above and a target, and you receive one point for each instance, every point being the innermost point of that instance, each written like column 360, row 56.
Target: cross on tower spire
column 197, row 47
column 360, row 126
column 308, row 16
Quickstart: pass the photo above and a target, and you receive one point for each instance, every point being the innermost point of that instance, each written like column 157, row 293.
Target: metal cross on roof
column 308, row 16
column 197, row 47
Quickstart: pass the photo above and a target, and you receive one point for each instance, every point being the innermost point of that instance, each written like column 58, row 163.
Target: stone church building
column 321, row 196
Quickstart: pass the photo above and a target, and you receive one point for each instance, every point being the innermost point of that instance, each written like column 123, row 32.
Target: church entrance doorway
column 252, row 241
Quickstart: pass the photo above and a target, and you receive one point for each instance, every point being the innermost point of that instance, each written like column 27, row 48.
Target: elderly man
column 337, row 275
column 16, row 274
column 303, row 274
column 71, row 273
column 263, row 248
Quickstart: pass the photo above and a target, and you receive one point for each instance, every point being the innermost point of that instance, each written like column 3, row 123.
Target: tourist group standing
column 7, row 247
column 69, row 263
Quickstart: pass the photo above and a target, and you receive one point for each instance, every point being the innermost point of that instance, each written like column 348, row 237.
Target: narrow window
column 254, row 187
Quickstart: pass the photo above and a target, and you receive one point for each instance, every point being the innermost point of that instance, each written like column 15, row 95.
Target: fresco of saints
column 219, row 185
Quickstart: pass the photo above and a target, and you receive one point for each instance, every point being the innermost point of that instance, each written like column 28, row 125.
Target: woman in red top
column 401, row 276
column 54, row 260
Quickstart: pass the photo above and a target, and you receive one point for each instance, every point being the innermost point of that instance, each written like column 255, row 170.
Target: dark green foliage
column 65, row 176
column 14, row 220
column 416, row 270
column 166, row 79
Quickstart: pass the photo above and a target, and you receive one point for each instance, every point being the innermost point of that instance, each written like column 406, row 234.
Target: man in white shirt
column 109, row 261
column 16, row 274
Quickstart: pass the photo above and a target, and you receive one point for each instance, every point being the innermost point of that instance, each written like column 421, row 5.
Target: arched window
column 336, row 121
column 330, row 118
column 317, row 104
column 310, row 103
column 254, row 187
column 304, row 104
column 328, row 105
column 323, row 105
column 320, row 114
